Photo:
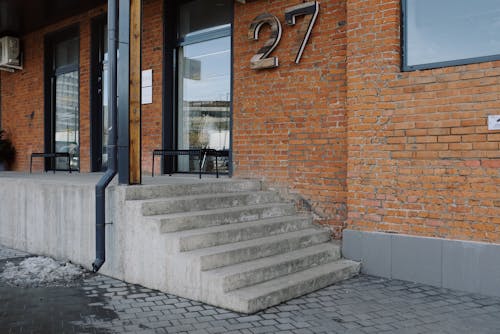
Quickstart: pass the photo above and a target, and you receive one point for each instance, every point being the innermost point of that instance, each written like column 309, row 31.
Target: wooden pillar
column 135, row 92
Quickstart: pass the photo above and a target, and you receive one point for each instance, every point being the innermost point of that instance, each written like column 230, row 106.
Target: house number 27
column 261, row 59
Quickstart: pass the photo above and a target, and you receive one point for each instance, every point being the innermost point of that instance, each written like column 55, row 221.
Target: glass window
column 203, row 15
column 66, row 53
column 441, row 33
column 64, row 96
column 67, row 119
column 204, row 101
column 204, row 83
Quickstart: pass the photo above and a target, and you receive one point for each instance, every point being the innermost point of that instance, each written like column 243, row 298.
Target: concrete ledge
column 461, row 265
column 50, row 216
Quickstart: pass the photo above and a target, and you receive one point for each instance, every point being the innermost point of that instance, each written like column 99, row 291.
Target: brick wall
column 23, row 95
column 23, row 104
column 421, row 160
column 152, row 58
column 289, row 123
column 23, row 91
column 345, row 131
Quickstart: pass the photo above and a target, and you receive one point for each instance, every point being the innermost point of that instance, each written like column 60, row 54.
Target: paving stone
column 302, row 331
column 365, row 304
column 208, row 312
column 199, row 331
column 263, row 329
column 225, row 316
column 269, row 322
column 285, row 327
column 240, row 326
column 249, row 318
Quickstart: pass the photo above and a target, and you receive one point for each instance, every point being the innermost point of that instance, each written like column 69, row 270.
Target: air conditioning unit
column 10, row 53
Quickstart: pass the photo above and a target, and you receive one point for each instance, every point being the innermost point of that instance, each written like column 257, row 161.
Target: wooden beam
column 135, row 91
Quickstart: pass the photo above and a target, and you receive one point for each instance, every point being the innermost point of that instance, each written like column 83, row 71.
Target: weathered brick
column 437, row 186
column 25, row 121
column 344, row 132
column 299, row 108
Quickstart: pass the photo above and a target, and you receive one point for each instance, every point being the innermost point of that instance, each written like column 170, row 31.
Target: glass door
column 204, row 101
column 67, row 119
column 65, row 102
column 204, row 83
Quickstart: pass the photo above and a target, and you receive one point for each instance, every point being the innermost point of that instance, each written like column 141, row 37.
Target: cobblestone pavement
column 361, row 305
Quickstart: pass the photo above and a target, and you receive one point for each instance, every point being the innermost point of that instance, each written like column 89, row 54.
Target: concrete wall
column 49, row 217
column 463, row 265
column 55, row 216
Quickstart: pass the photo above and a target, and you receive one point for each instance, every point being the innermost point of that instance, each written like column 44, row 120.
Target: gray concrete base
column 54, row 215
column 462, row 265
column 221, row 241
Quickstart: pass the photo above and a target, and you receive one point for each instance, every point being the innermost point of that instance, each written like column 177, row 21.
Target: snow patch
column 40, row 271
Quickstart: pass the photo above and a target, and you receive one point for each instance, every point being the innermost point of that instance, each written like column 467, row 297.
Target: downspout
column 100, row 188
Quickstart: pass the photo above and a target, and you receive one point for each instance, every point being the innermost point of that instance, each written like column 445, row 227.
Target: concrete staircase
column 234, row 245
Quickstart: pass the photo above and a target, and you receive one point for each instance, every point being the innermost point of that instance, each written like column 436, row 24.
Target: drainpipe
column 100, row 188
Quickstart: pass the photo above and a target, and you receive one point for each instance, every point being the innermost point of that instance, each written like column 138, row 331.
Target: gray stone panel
column 461, row 265
column 351, row 245
column 417, row 259
column 376, row 254
column 489, row 269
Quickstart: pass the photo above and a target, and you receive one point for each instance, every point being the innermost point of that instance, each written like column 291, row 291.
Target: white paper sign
column 147, row 78
column 147, row 95
column 147, row 86
column 494, row 122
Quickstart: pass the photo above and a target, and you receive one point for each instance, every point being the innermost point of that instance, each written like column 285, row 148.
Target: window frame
column 429, row 66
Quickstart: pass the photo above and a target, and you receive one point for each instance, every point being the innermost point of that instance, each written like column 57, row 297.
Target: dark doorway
column 99, row 95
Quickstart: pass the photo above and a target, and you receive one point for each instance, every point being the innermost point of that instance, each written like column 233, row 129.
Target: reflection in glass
column 204, row 102
column 203, row 15
column 448, row 30
column 67, row 119
column 66, row 53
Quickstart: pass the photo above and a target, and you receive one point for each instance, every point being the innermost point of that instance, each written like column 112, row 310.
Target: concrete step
column 229, row 243
column 206, row 202
column 257, row 297
column 200, row 219
column 229, row 254
column 191, row 187
column 265, row 269
column 224, row 234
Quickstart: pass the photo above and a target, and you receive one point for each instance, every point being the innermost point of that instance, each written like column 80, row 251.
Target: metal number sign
column 310, row 10
column 260, row 60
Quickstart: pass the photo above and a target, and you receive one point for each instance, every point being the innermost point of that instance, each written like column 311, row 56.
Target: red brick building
column 380, row 128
